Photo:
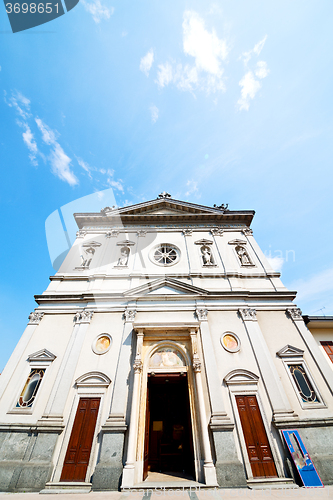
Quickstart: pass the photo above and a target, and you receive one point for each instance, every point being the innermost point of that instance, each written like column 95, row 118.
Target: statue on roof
column 221, row 207
column 164, row 195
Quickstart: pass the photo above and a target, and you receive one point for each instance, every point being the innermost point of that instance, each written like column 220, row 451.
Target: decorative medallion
column 230, row 342
column 102, row 344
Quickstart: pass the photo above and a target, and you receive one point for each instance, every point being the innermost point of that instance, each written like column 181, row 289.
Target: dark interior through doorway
column 168, row 438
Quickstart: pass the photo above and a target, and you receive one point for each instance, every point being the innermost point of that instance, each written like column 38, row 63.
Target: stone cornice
column 209, row 295
column 304, row 422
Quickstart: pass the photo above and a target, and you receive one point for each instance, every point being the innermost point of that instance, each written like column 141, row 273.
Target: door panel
column 79, row 446
column 258, row 449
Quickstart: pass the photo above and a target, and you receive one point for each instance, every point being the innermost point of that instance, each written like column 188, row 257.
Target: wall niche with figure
column 242, row 253
column 124, row 252
column 206, row 253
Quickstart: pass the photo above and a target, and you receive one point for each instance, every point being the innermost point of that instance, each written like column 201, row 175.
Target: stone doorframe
column 185, row 339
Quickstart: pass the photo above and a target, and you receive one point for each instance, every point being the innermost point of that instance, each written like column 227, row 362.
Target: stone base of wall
column 230, row 471
column 108, row 471
column 26, row 460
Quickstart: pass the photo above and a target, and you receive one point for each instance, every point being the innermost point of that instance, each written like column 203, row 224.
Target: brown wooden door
column 146, row 448
column 258, row 448
column 79, row 447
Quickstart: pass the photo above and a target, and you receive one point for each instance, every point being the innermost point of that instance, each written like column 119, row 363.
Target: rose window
column 165, row 255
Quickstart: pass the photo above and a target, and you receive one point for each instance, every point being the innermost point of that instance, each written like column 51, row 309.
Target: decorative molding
column 217, row 231
column 240, row 376
column 187, row 232
column 81, row 233
column 164, row 194
column 125, row 243
column 290, row 351
column 93, row 379
column 141, row 233
column 295, row 313
column 203, row 242
column 129, row 315
column 108, row 210
column 83, row 317
column 137, row 366
column 35, row 317
column 247, row 231
column 237, row 242
column 112, row 234
column 248, row 314
column 42, row 356
column 201, row 313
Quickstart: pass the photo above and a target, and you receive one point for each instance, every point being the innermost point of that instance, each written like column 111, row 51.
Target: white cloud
column 85, row 166
column 164, row 75
column 276, row 263
column 192, row 187
column 20, row 103
column 259, row 46
column 261, row 70
column 116, row 184
column 30, row 142
column 208, row 52
column 249, row 84
column 154, row 113
column 147, row 62
column 97, row 10
column 60, row 162
column 207, row 49
column 250, row 87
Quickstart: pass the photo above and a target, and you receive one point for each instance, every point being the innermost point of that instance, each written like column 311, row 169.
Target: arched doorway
column 168, row 447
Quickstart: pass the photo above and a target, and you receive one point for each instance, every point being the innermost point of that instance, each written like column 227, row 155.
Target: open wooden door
column 146, row 447
column 79, row 446
column 258, row 449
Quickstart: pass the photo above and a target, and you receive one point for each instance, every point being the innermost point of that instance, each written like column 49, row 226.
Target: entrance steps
column 63, row 487
column 274, row 483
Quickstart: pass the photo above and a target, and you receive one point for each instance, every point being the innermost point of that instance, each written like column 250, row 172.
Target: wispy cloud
column 192, row 187
column 154, row 113
column 85, row 166
column 147, row 62
column 116, row 184
column 276, row 263
column 29, row 140
column 316, row 285
column 250, row 83
column 20, row 103
column 60, row 162
column 208, row 51
column 98, row 10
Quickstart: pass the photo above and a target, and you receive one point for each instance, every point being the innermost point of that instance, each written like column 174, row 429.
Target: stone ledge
column 63, row 487
column 310, row 422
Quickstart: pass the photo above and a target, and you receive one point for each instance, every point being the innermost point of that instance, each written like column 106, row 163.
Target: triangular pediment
column 290, row 351
column 167, row 207
column 42, row 355
column 166, row 286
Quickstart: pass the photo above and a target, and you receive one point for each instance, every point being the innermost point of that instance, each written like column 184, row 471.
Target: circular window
column 102, row 344
column 230, row 342
column 165, row 255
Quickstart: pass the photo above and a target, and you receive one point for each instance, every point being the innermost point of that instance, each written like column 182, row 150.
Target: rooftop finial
column 164, row 195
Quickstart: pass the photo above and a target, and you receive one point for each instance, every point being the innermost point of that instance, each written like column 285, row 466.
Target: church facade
column 165, row 344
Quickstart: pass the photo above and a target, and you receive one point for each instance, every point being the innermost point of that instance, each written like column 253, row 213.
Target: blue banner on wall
column 302, row 460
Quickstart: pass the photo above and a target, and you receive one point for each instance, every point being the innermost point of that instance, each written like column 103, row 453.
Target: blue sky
column 214, row 102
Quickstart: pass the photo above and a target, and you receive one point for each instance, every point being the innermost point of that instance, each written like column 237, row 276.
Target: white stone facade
column 169, row 275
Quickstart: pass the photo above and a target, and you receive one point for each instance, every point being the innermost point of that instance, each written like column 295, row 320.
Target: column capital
column 129, row 315
column 201, row 313
column 35, row 317
column 248, row 314
column 83, row 317
column 295, row 313
column 137, row 366
column 196, row 365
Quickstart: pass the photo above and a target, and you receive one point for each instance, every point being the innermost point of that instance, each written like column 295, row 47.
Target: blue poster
column 302, row 460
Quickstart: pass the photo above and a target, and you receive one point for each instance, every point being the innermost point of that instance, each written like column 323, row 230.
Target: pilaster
column 269, row 375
